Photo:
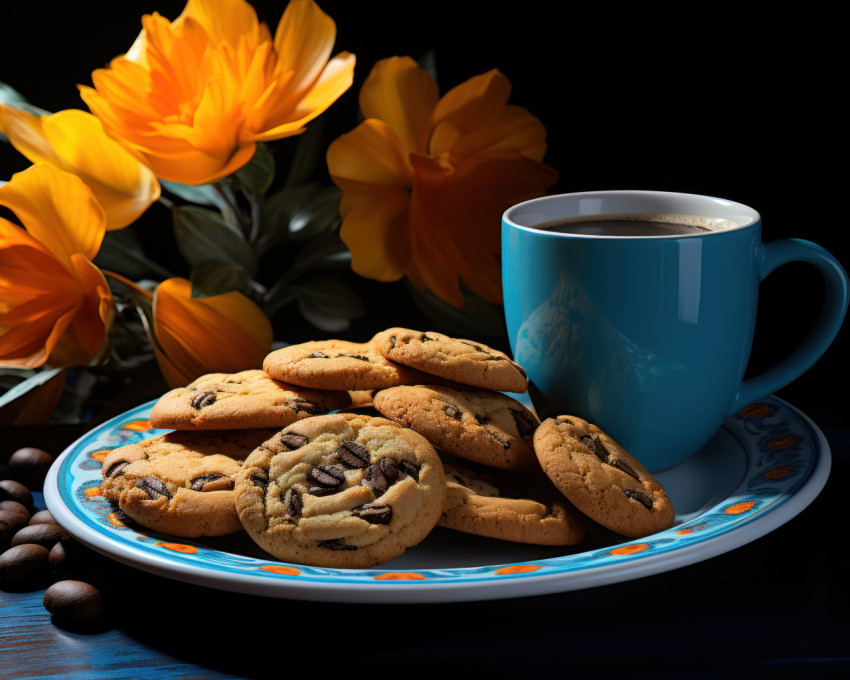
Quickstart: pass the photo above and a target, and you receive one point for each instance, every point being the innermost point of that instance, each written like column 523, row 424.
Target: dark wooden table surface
column 776, row 607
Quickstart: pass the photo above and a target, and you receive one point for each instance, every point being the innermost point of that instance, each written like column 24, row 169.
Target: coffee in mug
column 646, row 224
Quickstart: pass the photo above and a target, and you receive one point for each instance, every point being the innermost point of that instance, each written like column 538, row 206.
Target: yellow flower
column 195, row 336
column 75, row 141
column 194, row 96
column 55, row 305
column 426, row 179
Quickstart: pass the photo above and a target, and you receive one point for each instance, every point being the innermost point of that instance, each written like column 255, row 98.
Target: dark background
column 741, row 107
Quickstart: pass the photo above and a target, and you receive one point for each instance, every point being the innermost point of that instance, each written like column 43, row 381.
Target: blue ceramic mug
column 649, row 336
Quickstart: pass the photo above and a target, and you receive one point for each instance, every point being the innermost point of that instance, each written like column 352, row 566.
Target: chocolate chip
column 453, row 412
column 23, row 563
column 203, row 399
column 392, row 342
column 375, row 480
column 327, row 476
column 215, row 480
column 460, row 480
column 292, row 441
column 409, row 469
column 74, row 602
column 41, row 534
column 482, row 418
column 153, row 487
column 500, row 437
column 317, row 355
column 639, row 496
column 520, row 369
column 525, row 423
column 373, row 513
column 389, row 469
column 303, row 406
column 322, row 491
column 478, row 348
column 116, row 468
column 623, row 466
column 359, row 357
column 425, row 337
column 292, row 503
column 353, row 455
column 260, row 478
column 593, row 442
column 336, row 544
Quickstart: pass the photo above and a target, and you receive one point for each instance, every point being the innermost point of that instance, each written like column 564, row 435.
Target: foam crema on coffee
column 638, row 224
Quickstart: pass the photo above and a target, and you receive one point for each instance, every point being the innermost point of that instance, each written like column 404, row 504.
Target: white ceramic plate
column 762, row 468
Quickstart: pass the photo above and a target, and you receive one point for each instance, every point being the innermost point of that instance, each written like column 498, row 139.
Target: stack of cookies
column 422, row 434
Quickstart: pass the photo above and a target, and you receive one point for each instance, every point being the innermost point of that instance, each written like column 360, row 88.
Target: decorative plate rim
column 787, row 464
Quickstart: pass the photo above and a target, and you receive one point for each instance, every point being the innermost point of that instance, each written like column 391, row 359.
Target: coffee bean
column 375, row 480
column 13, row 516
column 74, row 602
column 327, row 476
column 40, row 534
column 154, row 487
column 291, row 442
column 29, row 465
column 593, row 442
column 374, row 514
column 69, row 557
column 292, row 503
column 116, row 468
column 639, row 496
column 623, row 466
column 14, row 507
column 409, row 469
column 203, row 399
column 303, row 406
column 212, row 481
column 389, row 468
column 10, row 490
column 23, row 562
column 353, row 455
column 42, row 517
column 260, row 478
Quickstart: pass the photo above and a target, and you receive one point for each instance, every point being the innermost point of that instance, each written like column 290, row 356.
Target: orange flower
column 194, row 336
column 75, row 141
column 426, row 179
column 195, row 95
column 55, row 305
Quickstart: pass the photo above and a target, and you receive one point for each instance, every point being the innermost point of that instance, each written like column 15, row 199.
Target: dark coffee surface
column 616, row 227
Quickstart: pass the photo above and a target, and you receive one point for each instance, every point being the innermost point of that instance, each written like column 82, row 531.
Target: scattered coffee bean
column 46, row 535
column 23, row 562
column 14, row 507
column 13, row 516
column 74, row 602
column 29, row 465
column 10, row 490
column 68, row 557
column 42, row 517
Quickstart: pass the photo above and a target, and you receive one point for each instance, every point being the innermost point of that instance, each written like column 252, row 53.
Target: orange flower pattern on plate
column 178, row 547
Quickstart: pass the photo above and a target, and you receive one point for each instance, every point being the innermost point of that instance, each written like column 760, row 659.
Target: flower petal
column 512, row 128
column 304, row 39
column 222, row 19
column 57, row 209
column 224, row 333
column 25, row 133
column 403, row 95
column 370, row 154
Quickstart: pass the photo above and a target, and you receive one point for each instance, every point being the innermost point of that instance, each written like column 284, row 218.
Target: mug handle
column 826, row 328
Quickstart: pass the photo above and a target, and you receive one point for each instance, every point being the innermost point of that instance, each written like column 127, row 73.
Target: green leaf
column 202, row 194
column 324, row 252
column 257, row 175
column 121, row 251
column 213, row 279
column 316, row 216
column 30, row 383
column 428, row 63
column 476, row 318
column 327, row 303
column 308, row 152
column 11, row 97
column 203, row 238
column 299, row 213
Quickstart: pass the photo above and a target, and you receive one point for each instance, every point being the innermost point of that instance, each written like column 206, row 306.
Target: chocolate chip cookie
column 338, row 365
column 462, row 361
column 245, row 400
column 600, row 478
column 479, row 425
column 181, row 483
column 486, row 504
column 341, row 490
